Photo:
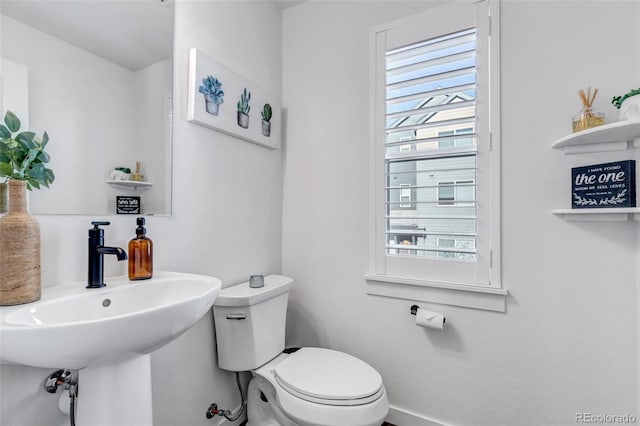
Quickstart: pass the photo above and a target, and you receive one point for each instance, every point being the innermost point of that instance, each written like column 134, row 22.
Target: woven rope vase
column 19, row 250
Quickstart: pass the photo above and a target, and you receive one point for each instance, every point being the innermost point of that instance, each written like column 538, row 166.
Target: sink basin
column 71, row 326
column 107, row 334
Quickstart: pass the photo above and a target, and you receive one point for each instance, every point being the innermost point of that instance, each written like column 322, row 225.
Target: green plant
column 22, row 155
column 243, row 103
column 618, row 100
column 266, row 112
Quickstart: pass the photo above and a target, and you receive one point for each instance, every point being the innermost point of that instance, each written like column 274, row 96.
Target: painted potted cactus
column 211, row 88
column 266, row 120
column 243, row 109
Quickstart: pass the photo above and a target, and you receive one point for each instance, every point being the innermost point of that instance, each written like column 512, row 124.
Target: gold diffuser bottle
column 137, row 176
column 587, row 119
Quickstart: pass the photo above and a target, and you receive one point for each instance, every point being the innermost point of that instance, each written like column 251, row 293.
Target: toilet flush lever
column 236, row 316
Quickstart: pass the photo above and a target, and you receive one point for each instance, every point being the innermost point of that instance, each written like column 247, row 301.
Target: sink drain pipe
column 64, row 378
column 213, row 409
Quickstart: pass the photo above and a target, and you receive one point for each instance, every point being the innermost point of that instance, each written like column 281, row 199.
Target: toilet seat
column 298, row 395
column 325, row 376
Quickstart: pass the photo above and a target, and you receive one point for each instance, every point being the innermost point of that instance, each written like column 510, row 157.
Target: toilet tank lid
column 244, row 295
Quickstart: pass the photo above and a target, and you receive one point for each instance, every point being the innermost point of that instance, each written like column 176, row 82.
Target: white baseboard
column 396, row 416
column 401, row 417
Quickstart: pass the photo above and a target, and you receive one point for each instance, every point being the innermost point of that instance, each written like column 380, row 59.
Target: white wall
column 152, row 87
column 226, row 222
column 567, row 343
column 227, row 198
column 99, row 115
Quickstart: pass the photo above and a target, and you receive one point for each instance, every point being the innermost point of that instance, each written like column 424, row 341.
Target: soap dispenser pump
column 140, row 254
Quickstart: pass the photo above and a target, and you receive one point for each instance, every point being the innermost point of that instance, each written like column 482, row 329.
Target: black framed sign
column 127, row 205
column 607, row 185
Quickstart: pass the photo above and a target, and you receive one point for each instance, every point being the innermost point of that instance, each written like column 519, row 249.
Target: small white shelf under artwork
column 599, row 215
column 617, row 136
column 130, row 184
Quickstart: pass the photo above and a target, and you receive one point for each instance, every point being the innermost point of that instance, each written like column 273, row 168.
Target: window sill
column 476, row 297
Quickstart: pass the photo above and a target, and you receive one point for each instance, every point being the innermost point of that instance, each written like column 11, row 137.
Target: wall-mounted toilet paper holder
column 414, row 311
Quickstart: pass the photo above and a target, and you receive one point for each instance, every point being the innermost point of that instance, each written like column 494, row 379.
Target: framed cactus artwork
column 223, row 100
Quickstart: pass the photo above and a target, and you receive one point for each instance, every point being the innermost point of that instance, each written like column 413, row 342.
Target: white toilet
column 308, row 387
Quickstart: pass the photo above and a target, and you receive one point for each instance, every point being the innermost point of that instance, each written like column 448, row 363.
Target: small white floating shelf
column 609, row 137
column 599, row 215
column 130, row 184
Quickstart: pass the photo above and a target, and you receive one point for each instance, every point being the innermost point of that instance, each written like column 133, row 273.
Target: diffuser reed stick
column 587, row 100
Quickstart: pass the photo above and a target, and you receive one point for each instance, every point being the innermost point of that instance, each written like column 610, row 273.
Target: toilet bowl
column 301, row 387
column 316, row 386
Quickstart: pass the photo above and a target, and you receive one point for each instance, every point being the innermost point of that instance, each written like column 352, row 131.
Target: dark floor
column 383, row 424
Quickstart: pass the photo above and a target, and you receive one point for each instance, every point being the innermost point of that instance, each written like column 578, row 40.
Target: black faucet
column 96, row 252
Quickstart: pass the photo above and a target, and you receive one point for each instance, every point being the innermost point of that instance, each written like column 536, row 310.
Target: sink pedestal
column 115, row 391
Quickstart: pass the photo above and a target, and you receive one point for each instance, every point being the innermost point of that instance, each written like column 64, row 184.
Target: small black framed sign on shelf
column 127, row 205
column 607, row 185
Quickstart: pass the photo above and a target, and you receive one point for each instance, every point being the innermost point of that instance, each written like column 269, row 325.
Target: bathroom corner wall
column 568, row 341
column 226, row 222
column 227, row 205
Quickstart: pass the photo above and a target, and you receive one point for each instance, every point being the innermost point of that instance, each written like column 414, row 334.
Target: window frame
column 384, row 280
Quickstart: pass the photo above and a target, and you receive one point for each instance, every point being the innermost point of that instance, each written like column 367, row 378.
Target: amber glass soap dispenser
column 140, row 254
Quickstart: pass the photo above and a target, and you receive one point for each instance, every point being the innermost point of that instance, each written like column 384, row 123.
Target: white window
column 446, row 193
column 405, row 195
column 456, row 193
column 436, row 82
column 407, row 147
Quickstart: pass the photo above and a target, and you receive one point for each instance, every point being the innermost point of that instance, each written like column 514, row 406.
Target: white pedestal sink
column 107, row 334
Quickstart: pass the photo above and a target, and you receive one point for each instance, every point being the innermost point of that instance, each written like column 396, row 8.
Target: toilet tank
column 250, row 323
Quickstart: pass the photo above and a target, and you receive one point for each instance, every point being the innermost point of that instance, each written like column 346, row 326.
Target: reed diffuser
column 137, row 176
column 587, row 119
